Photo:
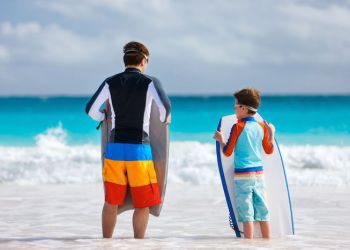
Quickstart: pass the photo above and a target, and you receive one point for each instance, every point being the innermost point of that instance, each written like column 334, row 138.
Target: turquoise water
column 298, row 119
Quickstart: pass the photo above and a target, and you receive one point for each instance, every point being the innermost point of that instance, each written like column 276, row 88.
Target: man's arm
column 161, row 99
column 96, row 101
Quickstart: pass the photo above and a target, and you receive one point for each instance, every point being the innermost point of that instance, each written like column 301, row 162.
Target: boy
column 247, row 139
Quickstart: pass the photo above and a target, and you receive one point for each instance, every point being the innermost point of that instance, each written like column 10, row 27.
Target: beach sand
column 193, row 217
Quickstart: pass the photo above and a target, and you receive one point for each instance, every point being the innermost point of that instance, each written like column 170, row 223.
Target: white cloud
column 96, row 9
column 33, row 42
column 306, row 41
column 71, row 9
column 234, row 33
column 21, row 30
column 318, row 34
column 4, row 54
column 225, row 32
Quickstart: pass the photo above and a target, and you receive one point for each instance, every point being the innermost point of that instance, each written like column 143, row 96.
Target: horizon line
column 183, row 95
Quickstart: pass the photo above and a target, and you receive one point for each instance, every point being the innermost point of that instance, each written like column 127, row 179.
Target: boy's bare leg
column 109, row 219
column 248, row 229
column 140, row 221
column 265, row 229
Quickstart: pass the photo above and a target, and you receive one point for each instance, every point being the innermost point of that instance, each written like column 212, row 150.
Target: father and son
column 128, row 155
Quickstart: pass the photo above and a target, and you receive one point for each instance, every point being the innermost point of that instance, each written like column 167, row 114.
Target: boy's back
column 247, row 139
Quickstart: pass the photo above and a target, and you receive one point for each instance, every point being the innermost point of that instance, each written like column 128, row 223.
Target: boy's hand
column 218, row 136
column 270, row 129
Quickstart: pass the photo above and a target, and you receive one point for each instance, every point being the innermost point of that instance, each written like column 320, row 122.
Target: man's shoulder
column 115, row 76
column 146, row 77
column 154, row 79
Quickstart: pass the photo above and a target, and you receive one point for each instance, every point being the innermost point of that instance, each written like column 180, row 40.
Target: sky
column 198, row 47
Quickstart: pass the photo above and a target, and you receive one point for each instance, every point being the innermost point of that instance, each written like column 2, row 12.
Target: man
column 128, row 157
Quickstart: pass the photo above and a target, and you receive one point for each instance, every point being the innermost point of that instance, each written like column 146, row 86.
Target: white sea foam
column 53, row 161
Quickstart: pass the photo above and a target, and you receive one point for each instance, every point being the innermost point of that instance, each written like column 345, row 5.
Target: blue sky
column 197, row 47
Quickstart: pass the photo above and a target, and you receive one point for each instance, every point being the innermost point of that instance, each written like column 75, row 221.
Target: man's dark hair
column 134, row 53
column 248, row 97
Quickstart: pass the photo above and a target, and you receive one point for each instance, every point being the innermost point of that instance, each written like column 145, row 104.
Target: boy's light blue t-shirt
column 248, row 150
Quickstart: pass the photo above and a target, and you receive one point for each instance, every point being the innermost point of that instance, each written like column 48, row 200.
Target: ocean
column 299, row 120
column 51, row 191
column 52, row 140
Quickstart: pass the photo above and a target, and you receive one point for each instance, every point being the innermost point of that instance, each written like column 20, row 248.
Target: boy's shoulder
column 239, row 123
column 262, row 125
column 239, row 126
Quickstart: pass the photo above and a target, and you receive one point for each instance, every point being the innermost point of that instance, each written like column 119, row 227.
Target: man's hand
column 105, row 112
column 168, row 120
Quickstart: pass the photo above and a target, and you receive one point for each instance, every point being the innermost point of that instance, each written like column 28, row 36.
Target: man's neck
column 134, row 67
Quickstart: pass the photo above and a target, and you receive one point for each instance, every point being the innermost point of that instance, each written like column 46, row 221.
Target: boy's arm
column 231, row 143
column 268, row 139
column 96, row 101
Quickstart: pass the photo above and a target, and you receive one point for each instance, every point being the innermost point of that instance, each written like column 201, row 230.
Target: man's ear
column 143, row 62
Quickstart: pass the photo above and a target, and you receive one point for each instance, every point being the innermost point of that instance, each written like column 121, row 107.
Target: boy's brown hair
column 134, row 53
column 248, row 97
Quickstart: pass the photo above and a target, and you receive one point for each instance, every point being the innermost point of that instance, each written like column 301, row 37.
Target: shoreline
column 68, row 216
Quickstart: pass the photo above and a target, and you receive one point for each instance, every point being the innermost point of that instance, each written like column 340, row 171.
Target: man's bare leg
column 109, row 219
column 140, row 221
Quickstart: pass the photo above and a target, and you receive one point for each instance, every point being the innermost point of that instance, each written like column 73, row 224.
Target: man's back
column 128, row 91
column 130, row 95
